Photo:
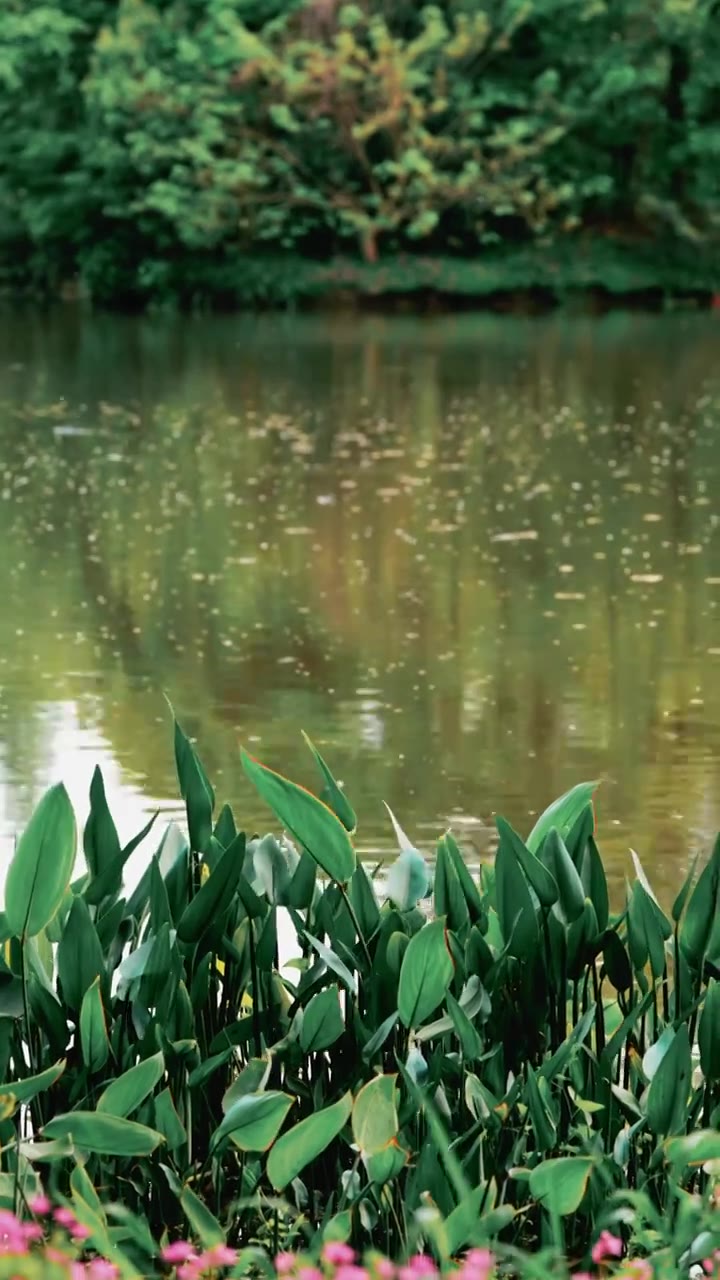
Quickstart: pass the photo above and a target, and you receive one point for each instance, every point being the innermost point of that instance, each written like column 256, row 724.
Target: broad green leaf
column 252, row 1079
column 702, row 910
column 109, row 878
column 254, row 1121
column 306, row 1141
column 93, row 1029
column 195, row 790
column 694, row 1149
column 667, row 1097
column 571, row 895
column 100, row 838
column 311, row 822
column 561, row 1183
column 468, row 1035
column 41, row 867
column 542, row 1120
column 656, row 1052
column 538, row 876
column 385, row 1165
column 470, row 890
column 337, row 799
column 466, row 1224
column 562, row 814
column 515, row 907
column 426, row 973
column 28, row 1088
column 449, row 899
column 80, row 958
column 322, row 1022
column 204, row 1224
column 594, row 882
column 647, row 931
column 105, row 1135
column 362, row 896
column 168, row 1122
column 125, row 1094
column 374, row 1115
column 215, row 894
column 83, row 1189
column 708, row 1034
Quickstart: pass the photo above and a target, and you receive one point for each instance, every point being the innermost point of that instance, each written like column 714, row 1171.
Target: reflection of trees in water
column 392, row 576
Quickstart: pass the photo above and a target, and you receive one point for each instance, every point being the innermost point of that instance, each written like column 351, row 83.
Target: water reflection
column 476, row 559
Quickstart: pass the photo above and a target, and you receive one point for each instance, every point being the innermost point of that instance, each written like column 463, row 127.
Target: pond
column 476, row 558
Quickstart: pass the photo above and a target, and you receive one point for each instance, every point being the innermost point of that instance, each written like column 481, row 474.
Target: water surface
column 476, row 559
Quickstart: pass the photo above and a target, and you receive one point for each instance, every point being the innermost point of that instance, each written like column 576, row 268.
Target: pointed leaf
column 337, row 799
column 560, row 1184
column 374, row 1115
column 562, row 814
column 538, row 875
column 254, row 1121
column 105, row 1135
column 28, row 1088
column 515, row 908
column 322, row 1022
column 311, row 822
column 426, row 973
column 100, row 838
column 125, row 1094
column 667, row 1098
column 305, row 1141
column 41, row 867
column 195, row 790
column 702, row 910
column 215, row 894
column 93, row 1029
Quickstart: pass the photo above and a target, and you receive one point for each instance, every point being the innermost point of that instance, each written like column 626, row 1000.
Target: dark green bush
column 138, row 137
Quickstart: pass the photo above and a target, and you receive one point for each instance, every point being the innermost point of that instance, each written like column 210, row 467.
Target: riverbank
column 592, row 275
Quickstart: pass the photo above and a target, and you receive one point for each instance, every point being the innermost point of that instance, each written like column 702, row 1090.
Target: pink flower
column 190, row 1270
column 40, row 1205
column 55, row 1255
column 606, row 1246
column 77, row 1271
column 79, row 1231
column 220, row 1255
column 582, row 1275
column 421, row 1265
column 337, row 1254
column 101, row 1269
column 478, row 1264
column 285, row 1263
column 384, row 1269
column 309, row 1273
column 482, row 1258
column 350, row 1272
column 32, row 1231
column 178, row 1251
column 65, row 1218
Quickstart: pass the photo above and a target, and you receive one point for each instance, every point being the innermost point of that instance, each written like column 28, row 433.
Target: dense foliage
column 151, row 146
column 261, row 1043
